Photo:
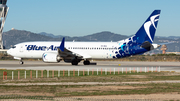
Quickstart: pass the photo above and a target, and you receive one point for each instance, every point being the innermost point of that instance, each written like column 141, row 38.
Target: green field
column 50, row 92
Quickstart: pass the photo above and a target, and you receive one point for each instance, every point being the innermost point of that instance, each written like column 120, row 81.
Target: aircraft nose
column 9, row 52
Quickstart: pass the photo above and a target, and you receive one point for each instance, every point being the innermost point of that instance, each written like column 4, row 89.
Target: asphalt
column 104, row 65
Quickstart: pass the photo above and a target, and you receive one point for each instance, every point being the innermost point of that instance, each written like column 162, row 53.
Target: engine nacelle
column 51, row 57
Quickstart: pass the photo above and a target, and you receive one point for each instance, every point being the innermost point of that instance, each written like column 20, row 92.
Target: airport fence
column 31, row 74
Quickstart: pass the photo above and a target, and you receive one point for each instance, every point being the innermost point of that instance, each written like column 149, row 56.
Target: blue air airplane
column 74, row 52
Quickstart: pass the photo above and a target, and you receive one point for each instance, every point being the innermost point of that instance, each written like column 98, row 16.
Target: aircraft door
column 107, row 56
column 21, row 48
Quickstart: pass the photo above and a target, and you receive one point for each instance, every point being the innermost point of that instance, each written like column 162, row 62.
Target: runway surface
column 39, row 65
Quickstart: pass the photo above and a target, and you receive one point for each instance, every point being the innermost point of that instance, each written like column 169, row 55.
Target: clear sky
column 84, row 17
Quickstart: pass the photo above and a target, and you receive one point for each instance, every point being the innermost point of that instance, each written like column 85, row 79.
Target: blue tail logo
column 148, row 24
column 148, row 29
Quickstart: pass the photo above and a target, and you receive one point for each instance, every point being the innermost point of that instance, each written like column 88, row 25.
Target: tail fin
column 148, row 29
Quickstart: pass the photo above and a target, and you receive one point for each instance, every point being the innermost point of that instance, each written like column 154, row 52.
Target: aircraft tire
column 86, row 62
column 74, row 62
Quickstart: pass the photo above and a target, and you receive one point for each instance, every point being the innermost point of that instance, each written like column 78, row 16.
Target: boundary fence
column 30, row 74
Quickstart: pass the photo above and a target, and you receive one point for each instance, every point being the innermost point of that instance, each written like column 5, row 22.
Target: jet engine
column 51, row 57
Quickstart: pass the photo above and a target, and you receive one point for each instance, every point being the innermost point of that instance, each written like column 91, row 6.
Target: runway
column 113, row 65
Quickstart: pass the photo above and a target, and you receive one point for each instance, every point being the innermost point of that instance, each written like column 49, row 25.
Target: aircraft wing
column 68, row 54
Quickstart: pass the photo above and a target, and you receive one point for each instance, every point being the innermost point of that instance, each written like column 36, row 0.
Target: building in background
column 164, row 48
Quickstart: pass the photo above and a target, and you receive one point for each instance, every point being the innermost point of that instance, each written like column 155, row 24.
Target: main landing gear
column 74, row 62
column 86, row 62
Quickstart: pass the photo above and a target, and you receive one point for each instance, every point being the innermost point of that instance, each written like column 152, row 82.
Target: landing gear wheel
column 86, row 62
column 21, row 62
column 74, row 62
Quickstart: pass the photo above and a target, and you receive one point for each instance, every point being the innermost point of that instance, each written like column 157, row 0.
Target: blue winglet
column 62, row 45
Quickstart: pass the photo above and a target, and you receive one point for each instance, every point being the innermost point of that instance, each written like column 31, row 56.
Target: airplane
column 74, row 52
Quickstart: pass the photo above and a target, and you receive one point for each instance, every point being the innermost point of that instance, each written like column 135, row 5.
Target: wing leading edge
column 68, row 54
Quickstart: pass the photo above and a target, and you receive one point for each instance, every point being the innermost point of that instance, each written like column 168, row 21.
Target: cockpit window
column 13, row 47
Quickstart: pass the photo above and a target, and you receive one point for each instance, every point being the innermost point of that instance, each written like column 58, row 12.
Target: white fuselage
column 93, row 50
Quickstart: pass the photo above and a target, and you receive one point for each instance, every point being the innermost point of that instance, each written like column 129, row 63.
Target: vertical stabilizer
column 148, row 29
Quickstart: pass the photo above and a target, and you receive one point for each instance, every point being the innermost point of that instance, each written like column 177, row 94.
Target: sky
column 85, row 17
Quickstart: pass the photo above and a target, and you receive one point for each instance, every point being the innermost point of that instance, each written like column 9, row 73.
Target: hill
column 13, row 37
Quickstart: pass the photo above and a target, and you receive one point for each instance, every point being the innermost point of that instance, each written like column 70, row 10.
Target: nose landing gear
column 21, row 62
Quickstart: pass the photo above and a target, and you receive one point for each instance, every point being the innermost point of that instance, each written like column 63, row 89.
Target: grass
column 67, row 91
column 52, row 91
column 151, row 88
column 26, row 97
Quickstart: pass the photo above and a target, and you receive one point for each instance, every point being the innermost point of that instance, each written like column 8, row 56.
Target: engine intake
column 51, row 57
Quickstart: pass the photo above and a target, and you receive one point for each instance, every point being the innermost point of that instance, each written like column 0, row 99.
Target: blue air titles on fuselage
column 41, row 48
